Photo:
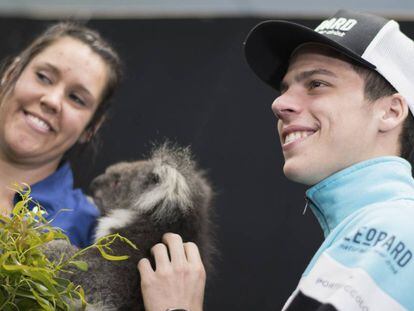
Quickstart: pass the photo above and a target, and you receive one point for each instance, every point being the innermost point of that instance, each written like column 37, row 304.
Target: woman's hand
column 179, row 277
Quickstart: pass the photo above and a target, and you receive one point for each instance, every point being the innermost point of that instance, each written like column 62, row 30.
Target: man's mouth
column 294, row 136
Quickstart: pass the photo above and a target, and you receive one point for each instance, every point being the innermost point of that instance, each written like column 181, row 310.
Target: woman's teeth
column 42, row 125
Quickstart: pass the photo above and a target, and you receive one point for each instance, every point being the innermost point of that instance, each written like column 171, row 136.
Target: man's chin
column 301, row 175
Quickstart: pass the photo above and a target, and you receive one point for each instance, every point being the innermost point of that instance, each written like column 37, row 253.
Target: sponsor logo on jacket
column 383, row 243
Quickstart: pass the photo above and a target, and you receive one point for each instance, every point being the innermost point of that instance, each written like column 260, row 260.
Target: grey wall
column 199, row 8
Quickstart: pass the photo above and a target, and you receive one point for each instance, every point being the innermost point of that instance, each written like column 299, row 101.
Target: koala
column 141, row 201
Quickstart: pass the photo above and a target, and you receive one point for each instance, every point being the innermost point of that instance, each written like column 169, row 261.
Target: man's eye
column 76, row 99
column 315, row 84
column 43, row 78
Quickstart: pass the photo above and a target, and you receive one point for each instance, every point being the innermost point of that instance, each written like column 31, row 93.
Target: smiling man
column 345, row 126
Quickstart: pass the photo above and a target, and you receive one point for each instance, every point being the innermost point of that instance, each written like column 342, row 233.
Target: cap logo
column 336, row 26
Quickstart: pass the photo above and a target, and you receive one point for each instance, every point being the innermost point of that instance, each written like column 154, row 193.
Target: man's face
column 325, row 123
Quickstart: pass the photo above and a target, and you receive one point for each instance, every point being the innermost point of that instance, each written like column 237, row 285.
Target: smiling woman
column 53, row 96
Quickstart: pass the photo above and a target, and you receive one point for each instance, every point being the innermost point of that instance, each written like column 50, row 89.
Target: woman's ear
column 90, row 131
column 394, row 110
column 86, row 136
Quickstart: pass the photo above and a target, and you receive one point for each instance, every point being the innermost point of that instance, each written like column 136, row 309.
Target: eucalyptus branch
column 28, row 279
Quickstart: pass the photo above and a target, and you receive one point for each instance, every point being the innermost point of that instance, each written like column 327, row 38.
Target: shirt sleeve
column 77, row 217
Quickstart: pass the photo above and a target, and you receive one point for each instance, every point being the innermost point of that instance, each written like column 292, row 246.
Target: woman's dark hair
column 13, row 69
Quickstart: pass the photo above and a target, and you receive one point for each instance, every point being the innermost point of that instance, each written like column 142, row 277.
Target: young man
column 344, row 121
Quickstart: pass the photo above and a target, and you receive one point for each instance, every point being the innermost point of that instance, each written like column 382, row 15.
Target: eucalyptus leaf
column 81, row 265
column 28, row 279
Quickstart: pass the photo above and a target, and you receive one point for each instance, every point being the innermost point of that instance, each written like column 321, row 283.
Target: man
column 344, row 121
column 346, row 89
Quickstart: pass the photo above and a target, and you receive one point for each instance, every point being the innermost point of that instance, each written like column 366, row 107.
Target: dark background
column 187, row 80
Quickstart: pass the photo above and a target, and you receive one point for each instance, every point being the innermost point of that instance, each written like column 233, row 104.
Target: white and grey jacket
column 366, row 261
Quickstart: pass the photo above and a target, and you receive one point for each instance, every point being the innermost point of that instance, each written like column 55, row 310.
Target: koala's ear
column 170, row 192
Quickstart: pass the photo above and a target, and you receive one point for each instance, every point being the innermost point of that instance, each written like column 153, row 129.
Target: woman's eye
column 43, row 78
column 76, row 99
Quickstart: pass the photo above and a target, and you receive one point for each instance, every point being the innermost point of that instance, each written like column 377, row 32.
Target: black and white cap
column 370, row 40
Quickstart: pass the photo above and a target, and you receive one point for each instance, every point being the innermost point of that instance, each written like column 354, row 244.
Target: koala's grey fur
column 142, row 200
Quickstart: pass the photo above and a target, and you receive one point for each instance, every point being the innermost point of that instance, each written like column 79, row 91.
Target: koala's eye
column 115, row 181
column 154, row 178
column 151, row 179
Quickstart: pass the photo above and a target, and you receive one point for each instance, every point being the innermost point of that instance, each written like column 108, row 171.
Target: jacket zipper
column 318, row 213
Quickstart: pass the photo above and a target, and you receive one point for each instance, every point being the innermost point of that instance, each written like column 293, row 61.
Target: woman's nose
column 52, row 100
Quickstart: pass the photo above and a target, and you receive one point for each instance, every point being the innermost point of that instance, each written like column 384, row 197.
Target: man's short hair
column 376, row 87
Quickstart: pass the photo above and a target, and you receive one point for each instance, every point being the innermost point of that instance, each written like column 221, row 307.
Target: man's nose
column 287, row 105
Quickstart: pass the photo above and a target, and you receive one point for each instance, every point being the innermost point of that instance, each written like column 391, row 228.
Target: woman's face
column 52, row 102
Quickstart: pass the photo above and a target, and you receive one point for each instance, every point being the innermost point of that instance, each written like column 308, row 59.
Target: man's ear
column 394, row 110
column 90, row 132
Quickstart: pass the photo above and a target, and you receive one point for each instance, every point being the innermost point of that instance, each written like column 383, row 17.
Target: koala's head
column 121, row 183
column 168, row 180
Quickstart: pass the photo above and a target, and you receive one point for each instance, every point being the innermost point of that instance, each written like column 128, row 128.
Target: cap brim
column 268, row 47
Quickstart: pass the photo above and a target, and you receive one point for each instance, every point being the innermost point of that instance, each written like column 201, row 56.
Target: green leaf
column 111, row 257
column 45, row 280
column 28, row 279
column 124, row 239
column 18, row 207
column 81, row 265
column 25, row 294
column 44, row 303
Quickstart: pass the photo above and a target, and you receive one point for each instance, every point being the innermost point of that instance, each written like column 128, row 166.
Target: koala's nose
column 97, row 183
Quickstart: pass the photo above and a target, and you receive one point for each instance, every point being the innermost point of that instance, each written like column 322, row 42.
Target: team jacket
column 69, row 208
column 366, row 261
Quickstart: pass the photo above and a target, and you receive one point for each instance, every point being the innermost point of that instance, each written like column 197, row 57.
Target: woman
column 53, row 96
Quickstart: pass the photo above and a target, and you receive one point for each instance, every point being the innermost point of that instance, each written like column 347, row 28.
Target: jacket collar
column 372, row 181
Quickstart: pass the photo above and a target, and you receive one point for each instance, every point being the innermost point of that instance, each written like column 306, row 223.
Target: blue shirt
column 55, row 193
